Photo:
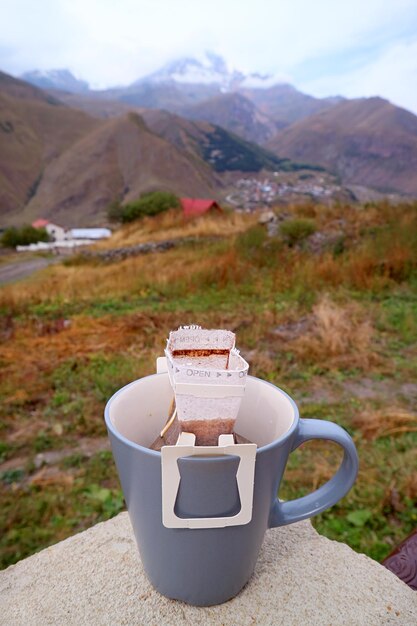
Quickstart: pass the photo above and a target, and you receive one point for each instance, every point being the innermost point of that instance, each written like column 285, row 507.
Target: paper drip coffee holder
column 185, row 447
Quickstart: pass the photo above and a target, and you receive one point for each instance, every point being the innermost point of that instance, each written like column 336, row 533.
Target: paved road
column 11, row 272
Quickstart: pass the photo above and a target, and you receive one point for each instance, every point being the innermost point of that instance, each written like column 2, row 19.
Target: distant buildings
column 250, row 193
column 58, row 233
column 65, row 238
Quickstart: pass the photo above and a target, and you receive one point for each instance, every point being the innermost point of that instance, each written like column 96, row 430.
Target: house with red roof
column 40, row 223
column 193, row 207
column 57, row 233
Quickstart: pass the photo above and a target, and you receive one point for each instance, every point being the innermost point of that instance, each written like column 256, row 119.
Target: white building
column 62, row 238
column 90, row 233
column 57, row 233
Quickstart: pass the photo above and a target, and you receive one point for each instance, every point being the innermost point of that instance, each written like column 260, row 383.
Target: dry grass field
column 330, row 317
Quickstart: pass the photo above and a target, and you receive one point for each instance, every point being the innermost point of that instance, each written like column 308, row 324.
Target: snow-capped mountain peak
column 61, row 79
column 209, row 69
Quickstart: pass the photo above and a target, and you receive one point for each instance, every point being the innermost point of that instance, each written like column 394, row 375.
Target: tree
column 115, row 211
column 148, row 204
column 23, row 236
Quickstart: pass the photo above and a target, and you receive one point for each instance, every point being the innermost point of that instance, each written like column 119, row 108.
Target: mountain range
column 209, row 69
column 58, row 161
column 67, row 151
column 183, row 84
column 56, row 79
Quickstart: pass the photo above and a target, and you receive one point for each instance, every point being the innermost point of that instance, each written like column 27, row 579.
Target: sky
column 354, row 48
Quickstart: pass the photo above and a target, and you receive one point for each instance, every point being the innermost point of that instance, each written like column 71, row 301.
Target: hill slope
column 16, row 88
column 366, row 142
column 120, row 159
column 222, row 150
column 170, row 96
column 34, row 130
column 235, row 113
column 284, row 104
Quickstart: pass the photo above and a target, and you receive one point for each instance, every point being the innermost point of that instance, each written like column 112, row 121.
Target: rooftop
column 40, row 223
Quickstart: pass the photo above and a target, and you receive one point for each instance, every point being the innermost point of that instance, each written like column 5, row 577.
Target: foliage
column 293, row 166
column 227, row 152
column 115, row 211
column 294, row 231
column 23, row 236
column 149, row 204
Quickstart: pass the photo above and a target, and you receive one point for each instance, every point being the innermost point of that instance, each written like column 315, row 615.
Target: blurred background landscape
column 247, row 169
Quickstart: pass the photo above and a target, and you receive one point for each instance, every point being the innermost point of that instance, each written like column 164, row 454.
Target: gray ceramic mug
column 205, row 566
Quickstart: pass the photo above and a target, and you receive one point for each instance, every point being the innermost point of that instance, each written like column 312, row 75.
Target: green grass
column 56, row 385
column 37, row 516
column 369, row 518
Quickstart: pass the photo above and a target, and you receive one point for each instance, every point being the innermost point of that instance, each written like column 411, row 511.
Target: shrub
column 115, row 211
column 294, row 231
column 251, row 241
column 337, row 336
column 23, row 236
column 149, row 204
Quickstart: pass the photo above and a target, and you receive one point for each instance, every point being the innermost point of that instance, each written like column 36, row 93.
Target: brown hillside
column 284, row 104
column 198, row 138
column 97, row 107
column 120, row 159
column 34, row 130
column 184, row 134
column 366, row 142
column 173, row 97
column 235, row 113
column 16, row 88
column 222, row 150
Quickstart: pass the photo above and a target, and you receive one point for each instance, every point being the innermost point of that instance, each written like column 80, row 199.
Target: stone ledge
column 302, row 578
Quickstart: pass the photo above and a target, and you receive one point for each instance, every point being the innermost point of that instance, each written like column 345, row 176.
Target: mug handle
column 327, row 495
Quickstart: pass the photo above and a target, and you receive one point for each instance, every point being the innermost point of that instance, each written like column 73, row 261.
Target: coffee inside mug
column 139, row 411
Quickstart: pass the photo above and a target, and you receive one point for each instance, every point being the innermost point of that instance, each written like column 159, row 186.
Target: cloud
column 393, row 75
column 110, row 43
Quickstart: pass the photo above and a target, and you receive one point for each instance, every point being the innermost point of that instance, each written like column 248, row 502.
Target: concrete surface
column 96, row 578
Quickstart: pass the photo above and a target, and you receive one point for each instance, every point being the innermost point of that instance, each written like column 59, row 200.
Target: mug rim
column 156, row 453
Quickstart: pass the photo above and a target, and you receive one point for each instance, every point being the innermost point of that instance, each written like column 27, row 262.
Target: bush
column 251, row 242
column 115, row 212
column 23, row 236
column 294, row 231
column 149, row 204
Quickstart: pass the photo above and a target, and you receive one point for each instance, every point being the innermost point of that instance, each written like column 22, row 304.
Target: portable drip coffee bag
column 208, row 377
